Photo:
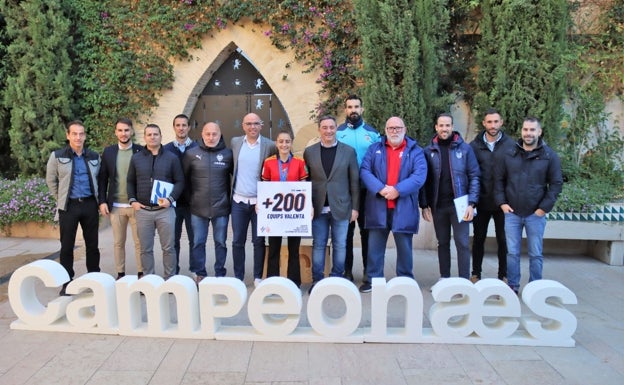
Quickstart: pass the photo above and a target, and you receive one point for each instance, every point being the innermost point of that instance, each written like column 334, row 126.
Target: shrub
column 25, row 200
column 577, row 197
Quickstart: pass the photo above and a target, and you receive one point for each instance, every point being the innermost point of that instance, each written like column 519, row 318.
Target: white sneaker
column 257, row 282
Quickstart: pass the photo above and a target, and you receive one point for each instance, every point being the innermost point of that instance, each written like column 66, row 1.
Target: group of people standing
column 357, row 176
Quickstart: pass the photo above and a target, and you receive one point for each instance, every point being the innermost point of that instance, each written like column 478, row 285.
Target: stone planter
column 600, row 231
column 613, row 212
column 43, row 230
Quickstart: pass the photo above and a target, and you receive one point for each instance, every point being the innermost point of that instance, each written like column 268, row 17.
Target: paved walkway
column 67, row 358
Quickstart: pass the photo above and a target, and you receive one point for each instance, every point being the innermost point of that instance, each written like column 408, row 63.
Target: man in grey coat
column 334, row 173
column 250, row 151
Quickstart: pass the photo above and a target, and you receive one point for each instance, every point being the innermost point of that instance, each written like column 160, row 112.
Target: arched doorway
column 235, row 89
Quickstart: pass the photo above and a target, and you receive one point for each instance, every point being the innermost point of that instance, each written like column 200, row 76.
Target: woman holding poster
column 284, row 167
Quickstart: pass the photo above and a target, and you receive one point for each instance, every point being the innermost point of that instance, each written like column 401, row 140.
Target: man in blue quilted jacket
column 453, row 171
column 393, row 171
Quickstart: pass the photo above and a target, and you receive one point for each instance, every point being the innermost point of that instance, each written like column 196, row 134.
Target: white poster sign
column 284, row 209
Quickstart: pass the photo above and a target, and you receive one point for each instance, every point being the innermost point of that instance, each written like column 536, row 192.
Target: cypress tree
column 38, row 93
column 522, row 62
column 7, row 166
column 400, row 60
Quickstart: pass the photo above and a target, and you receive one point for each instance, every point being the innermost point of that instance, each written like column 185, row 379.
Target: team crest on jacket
column 220, row 157
column 458, row 154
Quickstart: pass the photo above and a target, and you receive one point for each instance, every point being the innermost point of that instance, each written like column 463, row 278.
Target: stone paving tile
column 221, row 356
column 454, row 376
column 508, row 353
column 526, row 372
column 212, row 378
column 425, row 356
column 598, row 358
column 138, row 354
column 579, row 365
column 477, row 368
column 173, row 366
column 278, row 362
column 104, row 377
column 325, row 381
column 370, row 364
column 602, row 350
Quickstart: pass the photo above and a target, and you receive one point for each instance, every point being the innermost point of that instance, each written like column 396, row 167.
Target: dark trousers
column 363, row 237
column 85, row 213
column 242, row 215
column 445, row 219
column 480, row 226
column 273, row 262
column 182, row 214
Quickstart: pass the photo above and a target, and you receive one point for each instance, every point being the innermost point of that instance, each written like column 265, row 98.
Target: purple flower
column 104, row 15
column 189, row 26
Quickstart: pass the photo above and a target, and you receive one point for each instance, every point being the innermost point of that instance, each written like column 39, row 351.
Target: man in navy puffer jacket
column 453, row 171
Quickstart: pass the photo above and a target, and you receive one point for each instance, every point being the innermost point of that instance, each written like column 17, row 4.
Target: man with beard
column 182, row 210
column 453, row 172
column 527, row 182
column 359, row 135
column 113, row 194
column 488, row 146
column 393, row 171
column 149, row 168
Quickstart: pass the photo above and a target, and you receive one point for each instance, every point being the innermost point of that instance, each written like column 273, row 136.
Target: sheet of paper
column 461, row 204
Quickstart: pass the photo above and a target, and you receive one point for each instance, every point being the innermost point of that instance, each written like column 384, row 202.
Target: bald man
column 207, row 171
column 250, row 151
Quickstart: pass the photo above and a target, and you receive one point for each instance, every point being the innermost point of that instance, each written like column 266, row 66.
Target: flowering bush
column 25, row 200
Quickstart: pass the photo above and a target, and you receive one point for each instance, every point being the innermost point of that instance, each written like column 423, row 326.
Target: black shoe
column 348, row 275
column 63, row 290
column 120, row 275
column 140, row 274
column 366, row 288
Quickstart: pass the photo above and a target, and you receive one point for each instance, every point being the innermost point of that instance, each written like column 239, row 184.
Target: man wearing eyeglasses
column 393, row 171
column 249, row 150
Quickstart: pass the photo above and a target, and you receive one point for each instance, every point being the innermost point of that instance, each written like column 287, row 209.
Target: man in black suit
column 113, row 194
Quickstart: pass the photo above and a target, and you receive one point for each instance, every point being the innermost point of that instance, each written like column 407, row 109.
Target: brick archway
column 298, row 91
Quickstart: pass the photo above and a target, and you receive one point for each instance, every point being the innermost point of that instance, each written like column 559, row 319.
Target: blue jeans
column 320, row 234
column 200, row 234
column 242, row 214
column 377, row 240
column 534, row 226
column 445, row 218
column 182, row 214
